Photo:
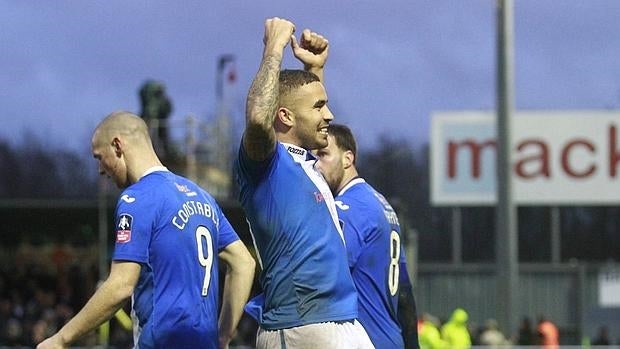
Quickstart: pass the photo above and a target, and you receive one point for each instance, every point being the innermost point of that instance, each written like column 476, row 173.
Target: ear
column 347, row 159
column 286, row 116
column 118, row 146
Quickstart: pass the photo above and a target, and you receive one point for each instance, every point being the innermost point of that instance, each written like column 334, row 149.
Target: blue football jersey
column 294, row 224
column 174, row 230
column 376, row 255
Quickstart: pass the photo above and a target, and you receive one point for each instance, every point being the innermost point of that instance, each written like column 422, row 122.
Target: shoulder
column 359, row 197
column 189, row 190
column 356, row 204
column 148, row 191
column 136, row 195
column 152, row 182
column 245, row 167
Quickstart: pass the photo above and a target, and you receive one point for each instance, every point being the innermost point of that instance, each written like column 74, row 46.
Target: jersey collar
column 353, row 182
column 298, row 153
column 154, row 169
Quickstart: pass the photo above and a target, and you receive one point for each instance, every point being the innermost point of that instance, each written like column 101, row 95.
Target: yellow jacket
column 455, row 332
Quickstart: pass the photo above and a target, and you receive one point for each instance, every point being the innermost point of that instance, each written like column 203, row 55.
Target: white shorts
column 324, row 335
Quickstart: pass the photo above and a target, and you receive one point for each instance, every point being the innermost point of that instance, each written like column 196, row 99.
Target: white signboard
column 609, row 287
column 558, row 158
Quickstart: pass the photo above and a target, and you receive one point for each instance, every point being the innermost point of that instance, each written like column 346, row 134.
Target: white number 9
column 206, row 262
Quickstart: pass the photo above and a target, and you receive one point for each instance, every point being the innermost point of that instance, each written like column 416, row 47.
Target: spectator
column 491, row 335
column 526, row 334
column 547, row 332
column 429, row 335
column 14, row 332
column 455, row 331
column 5, row 316
column 34, row 301
column 602, row 338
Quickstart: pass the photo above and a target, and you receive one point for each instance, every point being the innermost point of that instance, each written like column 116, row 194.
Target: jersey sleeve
column 133, row 226
column 226, row 233
column 404, row 273
column 254, row 170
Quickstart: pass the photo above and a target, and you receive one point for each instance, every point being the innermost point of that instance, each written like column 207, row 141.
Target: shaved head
column 123, row 147
column 122, row 123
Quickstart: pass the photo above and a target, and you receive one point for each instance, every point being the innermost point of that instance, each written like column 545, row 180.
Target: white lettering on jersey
column 391, row 217
column 191, row 208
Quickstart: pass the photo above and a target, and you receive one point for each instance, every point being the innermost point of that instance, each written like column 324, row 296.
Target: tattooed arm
column 259, row 138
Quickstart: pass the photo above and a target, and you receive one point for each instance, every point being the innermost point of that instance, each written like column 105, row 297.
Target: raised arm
column 311, row 51
column 259, row 138
column 237, row 285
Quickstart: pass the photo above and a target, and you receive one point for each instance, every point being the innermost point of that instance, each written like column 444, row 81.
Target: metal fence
column 567, row 294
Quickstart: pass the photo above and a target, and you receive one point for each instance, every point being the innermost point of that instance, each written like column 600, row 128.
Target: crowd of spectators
column 38, row 294
column 40, row 289
column 458, row 333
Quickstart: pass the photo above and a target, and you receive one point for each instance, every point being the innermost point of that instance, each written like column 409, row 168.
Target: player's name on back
column 391, row 217
column 191, row 208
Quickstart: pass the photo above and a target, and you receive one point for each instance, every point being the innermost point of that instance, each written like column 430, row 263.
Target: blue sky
column 66, row 64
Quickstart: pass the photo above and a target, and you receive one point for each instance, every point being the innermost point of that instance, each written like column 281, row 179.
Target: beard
column 334, row 179
column 313, row 141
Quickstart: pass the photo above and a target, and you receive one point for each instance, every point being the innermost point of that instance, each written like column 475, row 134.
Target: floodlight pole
column 506, row 212
column 221, row 64
column 224, row 133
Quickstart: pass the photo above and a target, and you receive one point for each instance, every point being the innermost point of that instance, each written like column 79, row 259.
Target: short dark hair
column 344, row 138
column 291, row 79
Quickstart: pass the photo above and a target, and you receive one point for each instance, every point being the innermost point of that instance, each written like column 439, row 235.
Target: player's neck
column 349, row 175
column 142, row 164
column 289, row 139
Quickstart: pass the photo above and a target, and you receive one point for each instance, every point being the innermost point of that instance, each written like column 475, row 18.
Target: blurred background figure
column 455, row 331
column 491, row 335
column 547, row 333
column 428, row 333
column 156, row 108
column 526, row 334
column 602, row 338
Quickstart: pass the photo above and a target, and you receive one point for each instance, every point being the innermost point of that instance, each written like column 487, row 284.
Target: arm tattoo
column 261, row 106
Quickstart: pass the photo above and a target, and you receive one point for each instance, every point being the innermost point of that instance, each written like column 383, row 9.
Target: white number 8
column 394, row 268
column 207, row 261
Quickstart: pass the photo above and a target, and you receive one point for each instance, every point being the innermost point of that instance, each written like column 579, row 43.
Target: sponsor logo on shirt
column 318, row 196
column 123, row 229
column 297, row 151
column 341, row 205
column 185, row 189
column 128, row 199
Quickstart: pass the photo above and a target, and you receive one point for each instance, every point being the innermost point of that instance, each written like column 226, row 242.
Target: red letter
column 475, row 148
column 565, row 154
column 542, row 158
column 614, row 152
